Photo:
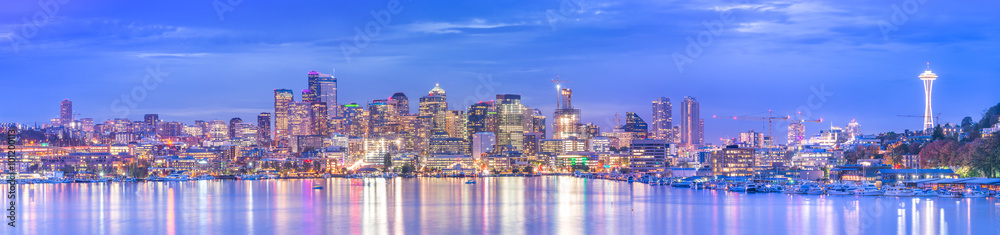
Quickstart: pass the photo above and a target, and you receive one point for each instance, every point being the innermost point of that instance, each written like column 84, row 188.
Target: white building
column 483, row 144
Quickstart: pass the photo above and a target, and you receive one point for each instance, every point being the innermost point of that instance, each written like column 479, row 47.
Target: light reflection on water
column 546, row 205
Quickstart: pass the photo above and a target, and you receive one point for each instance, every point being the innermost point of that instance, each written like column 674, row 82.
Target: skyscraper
column 402, row 103
column 234, row 127
column 65, row 112
column 478, row 117
column 663, row 122
column 635, row 125
column 691, row 122
column 566, row 119
column 281, row 99
column 380, row 117
column 928, row 78
column 511, row 121
column 318, row 119
column 299, row 118
column 323, row 88
column 264, row 128
column 434, row 105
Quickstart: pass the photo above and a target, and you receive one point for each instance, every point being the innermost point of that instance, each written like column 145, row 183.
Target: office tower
column 353, row 115
column 264, row 128
column 151, row 119
column 318, row 119
column 380, row 118
column 510, row 128
column 796, row 132
column 402, row 103
column 734, row 162
column 649, row 155
column 434, row 106
column 751, row 139
column 636, row 126
column 218, row 130
column 456, row 124
column 483, row 144
column 477, row 117
column 65, row 112
column 928, row 78
column 691, row 122
column 566, row 120
column 534, row 121
column 532, row 143
column 662, row 125
column 589, row 130
column 203, row 126
column 322, row 88
column 233, row 127
column 299, row 118
column 281, row 99
column 170, row 129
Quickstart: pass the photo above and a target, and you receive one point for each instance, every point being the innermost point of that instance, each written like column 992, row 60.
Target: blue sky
column 221, row 60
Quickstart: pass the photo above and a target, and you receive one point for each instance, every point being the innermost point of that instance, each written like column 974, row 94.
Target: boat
column 744, row 187
column 204, row 177
column 949, row 194
column 794, row 190
column 899, row 191
column 176, row 176
column 839, row 189
column 249, row 177
column 868, row 190
column 470, row 182
column 317, row 186
column 924, row 193
column 815, row 190
column 974, row 194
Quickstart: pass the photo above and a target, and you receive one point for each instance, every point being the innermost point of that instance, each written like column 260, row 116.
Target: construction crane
column 936, row 117
column 558, row 82
column 769, row 119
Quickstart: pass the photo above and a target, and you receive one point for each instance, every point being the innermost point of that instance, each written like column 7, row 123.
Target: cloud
column 449, row 27
column 170, row 55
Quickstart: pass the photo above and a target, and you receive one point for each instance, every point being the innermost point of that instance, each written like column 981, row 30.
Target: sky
column 204, row 60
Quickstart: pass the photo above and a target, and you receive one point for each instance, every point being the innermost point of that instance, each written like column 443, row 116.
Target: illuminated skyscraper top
column 436, row 91
column 928, row 78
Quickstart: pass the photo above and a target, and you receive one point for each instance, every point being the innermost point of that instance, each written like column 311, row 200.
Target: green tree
column 387, row 161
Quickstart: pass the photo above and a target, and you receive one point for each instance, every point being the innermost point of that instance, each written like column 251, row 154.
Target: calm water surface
column 540, row 205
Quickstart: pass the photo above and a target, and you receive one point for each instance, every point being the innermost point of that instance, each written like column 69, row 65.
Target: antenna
column 928, row 66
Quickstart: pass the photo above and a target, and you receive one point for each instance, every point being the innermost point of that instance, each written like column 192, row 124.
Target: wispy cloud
column 170, row 55
column 450, row 27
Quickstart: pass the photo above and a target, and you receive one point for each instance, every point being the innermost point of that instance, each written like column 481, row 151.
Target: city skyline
column 780, row 80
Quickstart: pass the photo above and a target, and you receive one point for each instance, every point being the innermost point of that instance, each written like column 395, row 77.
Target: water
column 541, row 205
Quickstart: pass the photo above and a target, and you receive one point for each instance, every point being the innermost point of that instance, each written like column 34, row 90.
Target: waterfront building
column 532, row 144
column 734, row 161
column 599, row 144
column 441, row 143
column 649, row 155
column 662, row 125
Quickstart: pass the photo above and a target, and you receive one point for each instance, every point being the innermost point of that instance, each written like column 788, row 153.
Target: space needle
column 928, row 78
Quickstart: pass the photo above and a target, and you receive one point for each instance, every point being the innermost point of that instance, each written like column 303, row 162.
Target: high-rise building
column 752, row 139
column 322, row 88
column 456, row 124
column 299, row 118
column 635, row 125
column 402, row 103
column 354, row 120
column 566, row 120
column 928, row 78
column 479, row 117
column 65, row 112
column 264, row 128
column 691, row 122
column 234, row 127
column 796, row 133
column 218, row 130
column 318, row 120
column 483, row 143
column 534, row 121
column 434, row 105
column 510, row 127
column 281, row 99
column 853, row 129
column 663, row 122
column 381, row 116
